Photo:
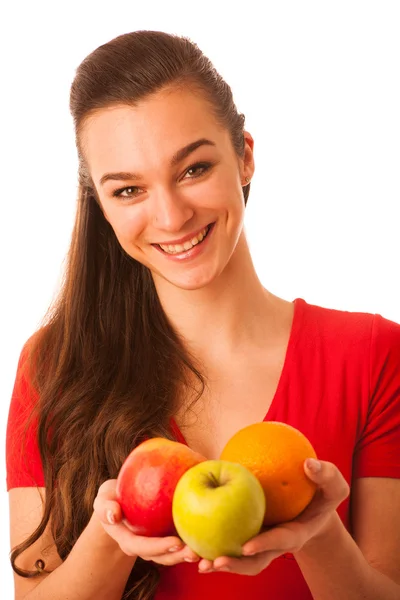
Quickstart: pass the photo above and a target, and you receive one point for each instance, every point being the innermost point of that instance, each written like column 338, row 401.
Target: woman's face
column 170, row 184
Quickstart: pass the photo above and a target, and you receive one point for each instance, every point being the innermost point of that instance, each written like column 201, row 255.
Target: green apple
column 218, row 506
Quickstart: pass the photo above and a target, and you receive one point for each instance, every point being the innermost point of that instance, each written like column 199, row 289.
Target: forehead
column 149, row 133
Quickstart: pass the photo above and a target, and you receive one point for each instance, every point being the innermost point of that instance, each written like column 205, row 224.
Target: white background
column 319, row 84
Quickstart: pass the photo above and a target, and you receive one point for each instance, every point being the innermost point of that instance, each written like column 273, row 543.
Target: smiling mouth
column 185, row 247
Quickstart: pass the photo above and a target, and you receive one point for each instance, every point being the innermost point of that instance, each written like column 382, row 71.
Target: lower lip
column 189, row 254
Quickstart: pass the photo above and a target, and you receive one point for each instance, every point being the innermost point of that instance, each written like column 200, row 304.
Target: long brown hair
column 106, row 363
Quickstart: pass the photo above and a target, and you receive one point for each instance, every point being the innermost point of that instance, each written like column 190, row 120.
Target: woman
column 162, row 328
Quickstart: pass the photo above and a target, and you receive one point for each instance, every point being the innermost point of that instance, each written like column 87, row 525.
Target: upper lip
column 182, row 240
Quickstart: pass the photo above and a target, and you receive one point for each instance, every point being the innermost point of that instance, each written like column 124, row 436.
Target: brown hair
column 107, row 362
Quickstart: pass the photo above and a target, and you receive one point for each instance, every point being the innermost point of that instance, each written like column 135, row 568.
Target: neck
column 233, row 312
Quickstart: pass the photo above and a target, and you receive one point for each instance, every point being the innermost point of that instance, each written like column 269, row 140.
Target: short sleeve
column 23, row 462
column 378, row 449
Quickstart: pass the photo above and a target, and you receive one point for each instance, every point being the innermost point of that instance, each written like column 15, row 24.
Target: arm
column 95, row 568
column 367, row 567
column 102, row 558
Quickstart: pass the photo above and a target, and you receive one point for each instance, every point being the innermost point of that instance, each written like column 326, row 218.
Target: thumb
column 328, row 478
column 106, row 505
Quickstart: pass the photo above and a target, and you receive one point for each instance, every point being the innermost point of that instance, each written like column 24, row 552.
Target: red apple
column 147, row 481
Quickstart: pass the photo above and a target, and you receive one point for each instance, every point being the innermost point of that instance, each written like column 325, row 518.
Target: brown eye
column 198, row 169
column 131, row 192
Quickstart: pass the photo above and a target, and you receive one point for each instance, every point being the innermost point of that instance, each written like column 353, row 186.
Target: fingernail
column 248, row 552
column 175, row 548
column 191, row 559
column 314, row 465
column 225, row 569
column 111, row 517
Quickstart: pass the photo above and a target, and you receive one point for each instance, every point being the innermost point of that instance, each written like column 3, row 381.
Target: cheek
column 221, row 193
column 127, row 224
column 229, row 190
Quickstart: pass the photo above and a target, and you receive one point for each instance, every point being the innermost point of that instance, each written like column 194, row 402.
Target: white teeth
column 176, row 248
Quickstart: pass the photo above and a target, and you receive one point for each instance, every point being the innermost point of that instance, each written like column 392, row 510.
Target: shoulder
column 30, row 350
column 369, row 342
column 385, row 338
column 335, row 320
column 23, row 461
column 24, row 394
column 350, row 326
column 335, row 337
column 384, row 362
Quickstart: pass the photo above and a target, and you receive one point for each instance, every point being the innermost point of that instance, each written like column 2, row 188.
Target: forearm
column 334, row 567
column 95, row 568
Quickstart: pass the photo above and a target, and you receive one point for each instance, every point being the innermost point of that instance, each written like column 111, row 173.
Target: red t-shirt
column 340, row 386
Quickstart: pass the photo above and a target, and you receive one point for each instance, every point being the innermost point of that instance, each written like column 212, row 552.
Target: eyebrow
column 177, row 158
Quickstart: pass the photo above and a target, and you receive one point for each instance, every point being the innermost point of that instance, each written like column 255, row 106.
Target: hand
column 162, row 550
column 292, row 536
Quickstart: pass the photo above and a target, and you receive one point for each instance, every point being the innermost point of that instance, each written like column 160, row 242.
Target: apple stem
column 214, row 480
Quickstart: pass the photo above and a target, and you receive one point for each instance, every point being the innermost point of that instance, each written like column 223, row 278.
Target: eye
column 131, row 192
column 198, row 169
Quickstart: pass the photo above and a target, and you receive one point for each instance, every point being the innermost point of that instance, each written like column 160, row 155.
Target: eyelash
column 205, row 166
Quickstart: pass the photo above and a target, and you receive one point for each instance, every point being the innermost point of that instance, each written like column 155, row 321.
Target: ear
column 248, row 158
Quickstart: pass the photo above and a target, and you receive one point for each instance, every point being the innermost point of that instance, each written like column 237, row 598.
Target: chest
column 231, row 400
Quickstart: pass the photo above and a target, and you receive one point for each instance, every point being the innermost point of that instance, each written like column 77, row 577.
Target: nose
column 170, row 211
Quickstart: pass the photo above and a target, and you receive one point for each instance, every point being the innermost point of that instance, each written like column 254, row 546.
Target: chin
column 187, row 279
column 191, row 283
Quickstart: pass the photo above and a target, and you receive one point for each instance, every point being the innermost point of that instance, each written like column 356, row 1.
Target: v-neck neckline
column 299, row 306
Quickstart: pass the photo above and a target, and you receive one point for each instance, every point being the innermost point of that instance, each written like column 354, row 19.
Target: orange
column 275, row 452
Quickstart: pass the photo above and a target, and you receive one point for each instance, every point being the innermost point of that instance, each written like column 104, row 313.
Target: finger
column 147, row 548
column 174, row 558
column 108, row 512
column 279, row 539
column 246, row 565
column 173, row 554
column 105, row 504
column 205, row 566
column 108, row 489
column 127, row 524
column 329, row 479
